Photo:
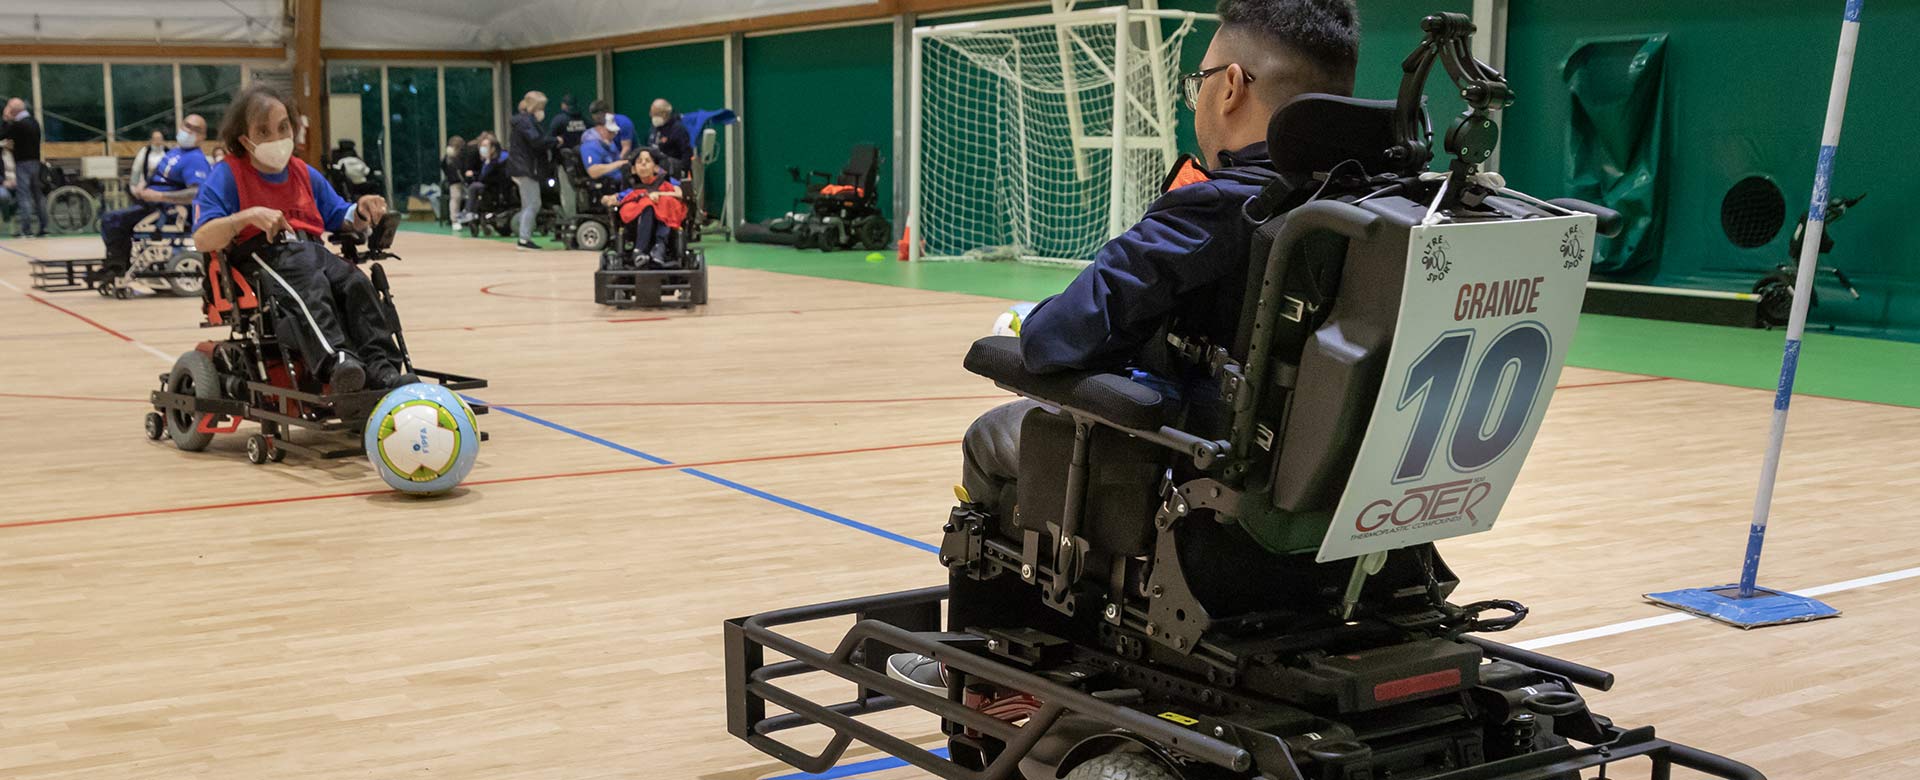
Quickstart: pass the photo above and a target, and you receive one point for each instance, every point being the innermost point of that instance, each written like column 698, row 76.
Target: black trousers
column 646, row 232
column 323, row 304
column 116, row 229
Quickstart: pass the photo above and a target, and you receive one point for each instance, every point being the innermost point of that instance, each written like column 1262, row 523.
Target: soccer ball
column 422, row 439
column 1009, row 322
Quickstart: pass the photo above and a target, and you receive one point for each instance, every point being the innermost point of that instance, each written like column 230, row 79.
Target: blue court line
column 857, row 768
column 722, row 481
column 820, row 513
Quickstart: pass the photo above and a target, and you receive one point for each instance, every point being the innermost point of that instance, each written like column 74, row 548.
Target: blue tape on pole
column 1822, row 181
column 1853, row 9
column 1789, row 365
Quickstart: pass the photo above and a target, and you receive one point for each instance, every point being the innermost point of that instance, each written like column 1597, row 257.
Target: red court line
column 500, row 481
column 78, row 316
column 1636, row 381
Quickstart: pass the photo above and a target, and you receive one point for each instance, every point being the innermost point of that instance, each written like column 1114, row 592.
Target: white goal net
column 1040, row 137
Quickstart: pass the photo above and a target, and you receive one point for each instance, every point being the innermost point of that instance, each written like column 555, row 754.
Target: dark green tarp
column 1617, row 87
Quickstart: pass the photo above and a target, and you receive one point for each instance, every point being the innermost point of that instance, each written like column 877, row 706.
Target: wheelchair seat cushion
column 1114, row 398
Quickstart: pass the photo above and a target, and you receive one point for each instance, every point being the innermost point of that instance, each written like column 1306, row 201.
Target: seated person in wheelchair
column 598, row 149
column 670, row 136
column 1186, row 259
column 174, row 180
column 651, row 209
column 487, row 180
column 624, row 136
column 265, row 204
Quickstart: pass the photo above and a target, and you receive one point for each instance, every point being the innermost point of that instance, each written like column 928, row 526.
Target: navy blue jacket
column 1186, row 257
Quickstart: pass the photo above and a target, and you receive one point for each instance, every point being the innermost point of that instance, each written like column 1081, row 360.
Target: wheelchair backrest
column 228, row 293
column 863, row 165
column 1398, row 366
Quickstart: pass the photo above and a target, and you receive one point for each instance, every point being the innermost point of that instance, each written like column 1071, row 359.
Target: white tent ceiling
column 469, row 25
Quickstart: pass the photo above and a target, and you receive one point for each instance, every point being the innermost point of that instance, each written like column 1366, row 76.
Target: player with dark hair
column 1186, row 259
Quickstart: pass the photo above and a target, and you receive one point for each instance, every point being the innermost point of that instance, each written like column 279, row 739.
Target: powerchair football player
column 649, row 263
column 1221, row 563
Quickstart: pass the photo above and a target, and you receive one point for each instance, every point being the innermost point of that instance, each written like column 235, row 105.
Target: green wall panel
column 577, row 76
column 691, row 76
column 1746, row 94
column 810, row 96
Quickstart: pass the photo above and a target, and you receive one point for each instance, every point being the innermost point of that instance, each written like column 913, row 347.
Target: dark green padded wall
column 1746, row 93
column 810, row 96
column 691, row 76
column 577, row 76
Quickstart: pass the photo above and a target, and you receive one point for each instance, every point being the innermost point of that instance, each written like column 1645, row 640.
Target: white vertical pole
column 180, row 104
column 106, row 74
column 441, row 72
column 39, row 112
column 1117, row 181
column 903, row 25
column 1164, row 120
column 386, row 143
column 916, row 128
column 733, row 71
column 1802, row 291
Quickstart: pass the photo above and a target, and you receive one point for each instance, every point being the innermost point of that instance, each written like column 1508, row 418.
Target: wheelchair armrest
column 1606, row 220
column 1111, row 397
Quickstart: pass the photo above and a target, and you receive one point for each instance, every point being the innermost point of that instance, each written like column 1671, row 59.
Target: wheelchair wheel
column 590, row 235
column 874, row 233
column 156, row 426
column 1121, row 766
column 193, row 375
column 188, row 273
column 258, row 449
column 72, row 209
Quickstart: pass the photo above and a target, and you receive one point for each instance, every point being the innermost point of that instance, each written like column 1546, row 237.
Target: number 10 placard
column 1486, row 314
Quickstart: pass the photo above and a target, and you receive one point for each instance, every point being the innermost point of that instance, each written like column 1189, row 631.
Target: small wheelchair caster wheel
column 276, row 454
column 122, row 293
column 258, row 450
column 156, row 426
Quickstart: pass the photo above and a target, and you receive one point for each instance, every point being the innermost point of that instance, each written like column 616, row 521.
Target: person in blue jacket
column 1187, row 256
column 173, row 181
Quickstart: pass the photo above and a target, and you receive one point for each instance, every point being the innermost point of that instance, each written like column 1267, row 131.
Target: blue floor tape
column 846, row 771
column 1767, row 607
column 718, row 480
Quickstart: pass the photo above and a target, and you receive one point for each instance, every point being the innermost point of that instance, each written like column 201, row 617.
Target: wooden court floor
column 173, row 615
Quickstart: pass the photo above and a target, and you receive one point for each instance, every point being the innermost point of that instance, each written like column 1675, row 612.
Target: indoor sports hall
column 1149, row 390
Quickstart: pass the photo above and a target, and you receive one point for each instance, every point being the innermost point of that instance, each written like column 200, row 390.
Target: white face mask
column 486, row 151
column 274, row 154
column 185, row 138
column 659, row 121
column 22, row 116
column 451, row 151
column 541, row 114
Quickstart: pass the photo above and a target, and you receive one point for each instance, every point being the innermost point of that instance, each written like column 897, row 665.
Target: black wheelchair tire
column 875, row 233
column 188, row 271
column 193, row 374
column 1122, row 766
column 590, row 235
column 72, row 209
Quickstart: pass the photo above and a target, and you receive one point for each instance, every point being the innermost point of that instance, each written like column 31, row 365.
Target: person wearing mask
column 486, row 176
column 596, row 149
column 567, row 124
column 670, row 136
column 451, row 174
column 175, row 179
column 265, row 202
column 622, row 126
column 532, row 146
column 651, row 209
column 145, row 160
column 23, row 132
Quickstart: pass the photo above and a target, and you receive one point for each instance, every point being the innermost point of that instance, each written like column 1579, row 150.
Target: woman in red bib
column 264, row 202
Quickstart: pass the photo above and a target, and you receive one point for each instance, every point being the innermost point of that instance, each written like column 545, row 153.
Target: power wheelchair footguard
column 162, row 259
column 625, row 280
column 1230, row 572
column 254, row 376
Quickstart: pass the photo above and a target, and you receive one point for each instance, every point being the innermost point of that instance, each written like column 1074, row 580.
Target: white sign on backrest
column 1486, row 315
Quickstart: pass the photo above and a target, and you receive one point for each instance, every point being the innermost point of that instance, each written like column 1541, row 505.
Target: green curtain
column 1617, row 87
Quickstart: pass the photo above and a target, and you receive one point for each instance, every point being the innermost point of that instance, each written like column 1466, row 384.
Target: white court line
column 10, row 286
column 164, row 357
column 136, row 342
column 1676, row 617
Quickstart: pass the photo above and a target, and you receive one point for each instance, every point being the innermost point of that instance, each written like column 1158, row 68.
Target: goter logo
column 1423, row 505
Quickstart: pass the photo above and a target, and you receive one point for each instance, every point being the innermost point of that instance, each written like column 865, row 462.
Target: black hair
column 599, row 107
column 1324, row 33
column 566, row 102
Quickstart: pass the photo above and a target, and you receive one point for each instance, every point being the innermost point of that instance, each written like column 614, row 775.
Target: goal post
column 1038, row 138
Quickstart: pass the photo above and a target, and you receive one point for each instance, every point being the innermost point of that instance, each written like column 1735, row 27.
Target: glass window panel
column 206, row 90
column 75, row 98
column 413, row 98
column 142, row 101
column 355, row 90
column 16, row 81
column 470, row 102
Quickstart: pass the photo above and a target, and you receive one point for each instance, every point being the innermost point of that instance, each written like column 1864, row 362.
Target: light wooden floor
column 559, row 617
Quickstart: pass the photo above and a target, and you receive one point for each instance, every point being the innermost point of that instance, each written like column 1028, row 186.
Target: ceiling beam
column 159, row 51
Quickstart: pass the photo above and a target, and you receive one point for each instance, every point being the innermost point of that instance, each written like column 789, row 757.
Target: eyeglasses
column 1190, row 83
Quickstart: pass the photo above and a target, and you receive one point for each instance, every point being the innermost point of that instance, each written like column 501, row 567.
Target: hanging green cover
column 1613, row 141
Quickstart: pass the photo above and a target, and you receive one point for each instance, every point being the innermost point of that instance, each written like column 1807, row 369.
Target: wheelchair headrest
column 1315, row 132
column 862, row 165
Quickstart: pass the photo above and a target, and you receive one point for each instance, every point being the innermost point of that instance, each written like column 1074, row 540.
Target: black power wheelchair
column 628, row 280
column 590, row 224
column 843, row 212
column 253, row 375
column 1152, row 609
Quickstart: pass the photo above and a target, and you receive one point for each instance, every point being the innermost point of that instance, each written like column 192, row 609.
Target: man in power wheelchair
column 588, row 222
column 146, row 242
column 1138, row 595
column 315, row 343
column 650, row 263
